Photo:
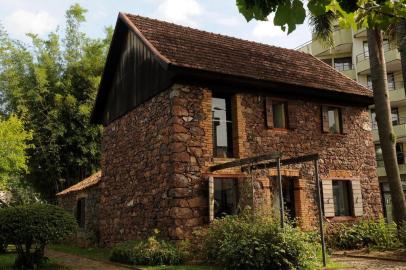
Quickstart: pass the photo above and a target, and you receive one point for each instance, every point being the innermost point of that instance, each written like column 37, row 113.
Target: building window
column 386, row 47
column 390, row 78
column 342, row 64
column 279, row 114
column 394, row 115
column 225, row 197
column 342, row 197
column 334, row 120
column 80, row 212
column 222, row 127
column 391, row 81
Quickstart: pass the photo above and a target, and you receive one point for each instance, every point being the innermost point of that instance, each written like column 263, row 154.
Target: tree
column 52, row 84
column 375, row 16
column 13, row 150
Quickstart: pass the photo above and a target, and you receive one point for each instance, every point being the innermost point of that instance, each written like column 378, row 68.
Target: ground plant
column 147, row 252
column 257, row 242
column 376, row 234
column 30, row 228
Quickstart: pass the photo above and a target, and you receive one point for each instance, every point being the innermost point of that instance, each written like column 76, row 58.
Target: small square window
column 225, row 197
column 342, row 196
column 279, row 114
column 334, row 120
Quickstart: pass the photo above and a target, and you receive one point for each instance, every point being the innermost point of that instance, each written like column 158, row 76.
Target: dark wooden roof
column 192, row 48
column 190, row 51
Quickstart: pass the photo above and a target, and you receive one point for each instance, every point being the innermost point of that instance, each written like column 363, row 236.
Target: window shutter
column 344, row 120
column 268, row 112
column 324, row 119
column 328, row 198
column 357, row 198
column 292, row 115
column 211, row 198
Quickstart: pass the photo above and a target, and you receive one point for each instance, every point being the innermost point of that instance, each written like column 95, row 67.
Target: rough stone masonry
column 155, row 161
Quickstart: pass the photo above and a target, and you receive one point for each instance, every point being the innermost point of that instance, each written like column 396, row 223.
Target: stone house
column 175, row 101
column 83, row 200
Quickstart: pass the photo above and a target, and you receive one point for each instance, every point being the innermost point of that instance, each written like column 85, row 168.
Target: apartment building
column 349, row 55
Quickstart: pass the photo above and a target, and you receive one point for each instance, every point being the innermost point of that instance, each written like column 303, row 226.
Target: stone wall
column 89, row 235
column 155, row 161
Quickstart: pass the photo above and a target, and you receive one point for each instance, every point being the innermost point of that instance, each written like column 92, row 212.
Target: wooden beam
column 284, row 162
column 244, row 161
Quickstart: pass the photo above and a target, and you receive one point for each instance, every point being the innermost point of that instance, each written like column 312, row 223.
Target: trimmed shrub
column 365, row 233
column 254, row 242
column 148, row 252
column 31, row 227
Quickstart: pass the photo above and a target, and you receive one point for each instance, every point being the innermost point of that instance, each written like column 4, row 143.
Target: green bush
column 148, row 252
column 366, row 233
column 31, row 227
column 247, row 242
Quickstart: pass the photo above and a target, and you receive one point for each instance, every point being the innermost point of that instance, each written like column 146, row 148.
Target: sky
column 218, row 16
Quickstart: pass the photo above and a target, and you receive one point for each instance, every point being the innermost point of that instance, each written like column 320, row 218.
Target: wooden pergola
column 273, row 160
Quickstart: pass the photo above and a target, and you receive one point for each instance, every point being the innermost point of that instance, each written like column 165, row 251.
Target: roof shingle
column 92, row 180
column 196, row 49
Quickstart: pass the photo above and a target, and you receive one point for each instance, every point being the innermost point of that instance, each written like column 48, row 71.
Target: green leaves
column 289, row 14
column 14, row 142
column 317, row 7
column 52, row 85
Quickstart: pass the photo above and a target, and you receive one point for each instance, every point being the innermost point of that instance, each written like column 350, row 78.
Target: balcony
column 396, row 92
column 392, row 57
column 381, row 170
column 350, row 73
column 399, row 128
column 342, row 44
column 401, row 162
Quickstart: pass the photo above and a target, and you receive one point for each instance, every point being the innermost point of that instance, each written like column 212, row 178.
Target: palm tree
column 387, row 136
column 323, row 29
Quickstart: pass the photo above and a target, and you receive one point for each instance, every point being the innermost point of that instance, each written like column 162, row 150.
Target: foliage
column 366, row 233
column 52, row 84
column 13, row 146
column 149, row 252
column 289, row 13
column 31, row 227
column 257, row 242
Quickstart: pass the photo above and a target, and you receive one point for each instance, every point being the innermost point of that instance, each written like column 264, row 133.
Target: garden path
column 81, row 263
column 370, row 263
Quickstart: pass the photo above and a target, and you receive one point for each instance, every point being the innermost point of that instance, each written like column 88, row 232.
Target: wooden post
column 281, row 208
column 319, row 205
column 211, row 198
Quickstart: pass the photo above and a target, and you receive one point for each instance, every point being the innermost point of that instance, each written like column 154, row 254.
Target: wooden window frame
column 325, row 125
column 348, row 186
column 230, row 130
column 290, row 111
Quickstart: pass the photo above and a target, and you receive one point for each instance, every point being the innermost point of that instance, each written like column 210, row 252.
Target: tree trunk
column 401, row 35
column 387, row 137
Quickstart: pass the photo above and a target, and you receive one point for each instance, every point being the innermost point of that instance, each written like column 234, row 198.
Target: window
column 80, row 212
column 279, row 114
column 395, row 118
column 390, row 78
column 386, row 47
column 342, row 195
column 334, row 120
column 225, row 197
column 222, row 127
column 391, row 81
column 342, row 64
column 400, row 154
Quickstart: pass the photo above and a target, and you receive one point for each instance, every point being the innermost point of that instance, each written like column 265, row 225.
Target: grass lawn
column 101, row 254
column 7, row 262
